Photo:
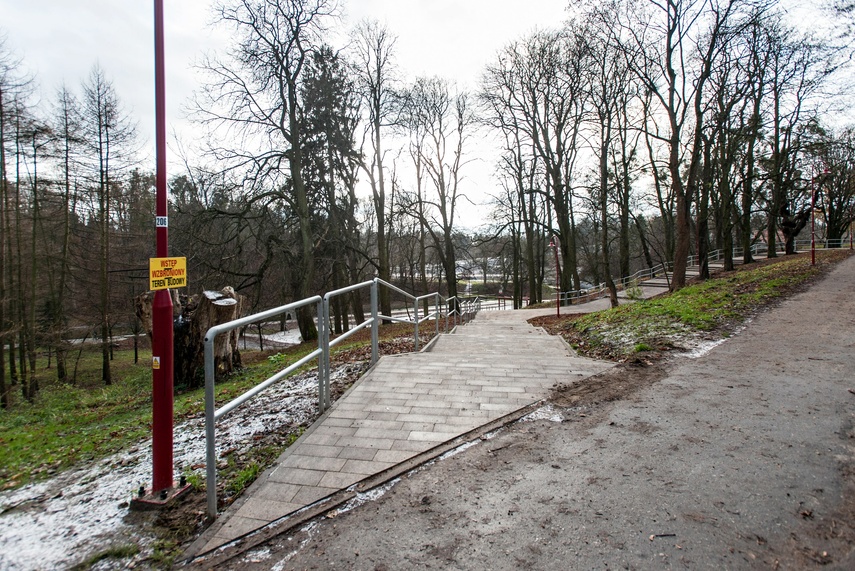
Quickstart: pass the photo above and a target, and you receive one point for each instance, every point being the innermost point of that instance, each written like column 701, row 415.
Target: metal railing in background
column 664, row 269
column 463, row 309
column 416, row 301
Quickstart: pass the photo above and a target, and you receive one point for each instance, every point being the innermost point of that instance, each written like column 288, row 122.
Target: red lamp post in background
column 554, row 245
column 162, row 348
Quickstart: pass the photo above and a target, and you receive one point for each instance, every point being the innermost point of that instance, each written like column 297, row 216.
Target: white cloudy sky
column 60, row 41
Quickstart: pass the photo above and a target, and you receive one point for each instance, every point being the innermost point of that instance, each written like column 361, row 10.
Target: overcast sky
column 60, row 41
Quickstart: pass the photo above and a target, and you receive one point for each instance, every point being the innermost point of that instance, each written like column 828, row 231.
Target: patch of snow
column 58, row 522
column 290, row 337
column 547, row 412
column 257, row 555
column 458, row 450
column 310, row 530
column 364, row 497
column 703, row 348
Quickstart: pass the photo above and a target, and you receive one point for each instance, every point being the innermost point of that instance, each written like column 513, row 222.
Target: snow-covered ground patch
column 547, row 412
column 703, row 348
column 59, row 522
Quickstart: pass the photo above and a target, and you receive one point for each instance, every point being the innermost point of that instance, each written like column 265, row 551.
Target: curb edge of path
column 240, row 545
column 195, row 549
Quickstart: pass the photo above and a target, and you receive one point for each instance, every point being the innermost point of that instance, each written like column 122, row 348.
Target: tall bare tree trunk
column 605, row 137
column 4, row 392
column 18, row 289
column 305, row 321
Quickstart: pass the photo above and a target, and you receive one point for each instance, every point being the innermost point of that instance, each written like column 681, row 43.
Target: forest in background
column 635, row 133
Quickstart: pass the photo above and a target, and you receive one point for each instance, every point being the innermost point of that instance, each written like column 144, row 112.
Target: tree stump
column 193, row 317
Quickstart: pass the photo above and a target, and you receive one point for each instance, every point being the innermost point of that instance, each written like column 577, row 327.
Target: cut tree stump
column 193, row 317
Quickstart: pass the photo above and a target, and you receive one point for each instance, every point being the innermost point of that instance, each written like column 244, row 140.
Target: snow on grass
column 59, row 522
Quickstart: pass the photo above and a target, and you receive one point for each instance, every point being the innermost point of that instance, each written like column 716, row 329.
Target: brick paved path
column 408, row 405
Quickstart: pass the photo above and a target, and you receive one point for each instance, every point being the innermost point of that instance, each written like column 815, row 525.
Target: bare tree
column 609, row 88
column 797, row 67
column 503, row 110
column 679, row 41
column 538, row 82
column 441, row 122
column 109, row 136
column 374, row 48
column 254, row 97
column 13, row 86
column 755, row 71
column 68, row 140
column 834, row 156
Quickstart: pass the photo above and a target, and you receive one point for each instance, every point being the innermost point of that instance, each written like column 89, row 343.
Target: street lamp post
column 162, row 348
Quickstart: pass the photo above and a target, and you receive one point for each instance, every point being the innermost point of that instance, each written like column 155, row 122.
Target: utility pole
column 162, row 372
column 168, row 273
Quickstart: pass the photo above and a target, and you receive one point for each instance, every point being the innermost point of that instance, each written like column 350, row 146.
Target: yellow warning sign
column 155, row 362
column 167, row 273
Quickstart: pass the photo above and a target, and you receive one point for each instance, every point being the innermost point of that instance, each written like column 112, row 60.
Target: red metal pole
column 554, row 244
column 162, row 373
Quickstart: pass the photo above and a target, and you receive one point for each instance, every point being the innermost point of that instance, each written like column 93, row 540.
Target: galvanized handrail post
column 447, row 313
column 210, row 433
column 437, row 311
column 374, row 324
column 324, row 341
column 322, row 358
column 416, row 328
column 324, row 314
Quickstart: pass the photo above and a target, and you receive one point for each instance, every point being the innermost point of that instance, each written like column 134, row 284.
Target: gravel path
column 742, row 457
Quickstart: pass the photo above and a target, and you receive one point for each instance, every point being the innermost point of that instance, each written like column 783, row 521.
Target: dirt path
column 741, row 458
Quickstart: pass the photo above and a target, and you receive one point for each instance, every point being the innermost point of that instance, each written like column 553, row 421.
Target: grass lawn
column 68, row 425
column 717, row 304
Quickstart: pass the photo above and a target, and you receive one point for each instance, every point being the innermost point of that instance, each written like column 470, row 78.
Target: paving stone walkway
column 407, row 405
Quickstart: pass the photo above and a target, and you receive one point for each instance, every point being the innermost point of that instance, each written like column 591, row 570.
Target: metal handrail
column 211, row 415
column 326, row 344
column 322, row 353
column 665, row 267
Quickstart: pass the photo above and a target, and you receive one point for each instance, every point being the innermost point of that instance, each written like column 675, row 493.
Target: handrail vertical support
column 437, row 311
column 323, row 340
column 375, row 351
column 447, row 313
column 210, row 435
column 416, row 328
column 327, row 400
